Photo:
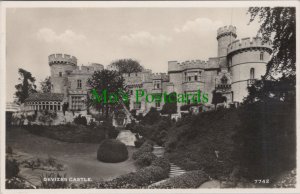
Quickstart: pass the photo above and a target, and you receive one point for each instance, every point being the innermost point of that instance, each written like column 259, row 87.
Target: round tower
column 225, row 36
column 61, row 65
column 247, row 60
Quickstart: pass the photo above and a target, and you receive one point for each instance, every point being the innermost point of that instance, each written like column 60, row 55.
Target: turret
column 61, row 65
column 225, row 36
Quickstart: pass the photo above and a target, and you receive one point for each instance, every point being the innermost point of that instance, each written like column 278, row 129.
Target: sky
column 152, row 36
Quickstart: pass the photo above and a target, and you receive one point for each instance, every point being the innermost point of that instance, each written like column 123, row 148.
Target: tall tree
column 107, row 91
column 46, row 85
column 278, row 24
column 26, row 87
column 127, row 66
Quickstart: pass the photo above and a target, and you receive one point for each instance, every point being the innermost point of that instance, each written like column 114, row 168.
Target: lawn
column 80, row 159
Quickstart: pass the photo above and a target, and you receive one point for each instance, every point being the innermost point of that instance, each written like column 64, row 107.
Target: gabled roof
column 45, row 97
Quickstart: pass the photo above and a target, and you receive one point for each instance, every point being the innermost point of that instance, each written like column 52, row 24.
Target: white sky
column 153, row 36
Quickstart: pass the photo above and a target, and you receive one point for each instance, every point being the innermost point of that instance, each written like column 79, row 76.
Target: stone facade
column 238, row 64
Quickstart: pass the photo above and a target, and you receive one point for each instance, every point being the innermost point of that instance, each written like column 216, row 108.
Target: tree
column 46, row 85
column 217, row 98
column 107, row 91
column 279, row 83
column 26, row 87
column 170, row 107
column 127, row 66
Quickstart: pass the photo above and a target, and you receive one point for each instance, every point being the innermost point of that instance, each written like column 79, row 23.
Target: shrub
column 145, row 159
column 151, row 117
column 12, row 168
column 141, row 178
column 266, row 139
column 139, row 141
column 146, row 147
column 162, row 162
column 192, row 179
column 80, row 120
column 113, row 133
column 111, row 150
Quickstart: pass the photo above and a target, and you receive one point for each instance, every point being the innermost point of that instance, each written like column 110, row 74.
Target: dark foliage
column 112, row 151
column 192, row 179
column 170, row 107
column 279, row 25
column 193, row 143
column 145, row 159
column 69, row 133
column 139, row 142
column 127, row 66
column 26, row 87
column 266, row 139
column 46, row 85
column 146, row 147
column 11, row 168
column 80, row 120
column 151, row 117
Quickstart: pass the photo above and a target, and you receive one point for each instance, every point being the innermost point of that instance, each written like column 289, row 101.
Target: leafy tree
column 217, row 98
column 279, row 25
column 107, row 91
column 170, row 107
column 26, row 87
column 151, row 117
column 46, row 85
column 127, row 66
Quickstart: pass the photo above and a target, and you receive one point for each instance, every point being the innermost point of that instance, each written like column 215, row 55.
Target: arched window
column 252, row 73
column 261, row 56
column 224, row 80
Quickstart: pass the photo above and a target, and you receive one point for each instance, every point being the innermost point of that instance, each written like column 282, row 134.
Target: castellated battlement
column 62, row 59
column 177, row 66
column 248, row 43
column 162, row 76
column 226, row 30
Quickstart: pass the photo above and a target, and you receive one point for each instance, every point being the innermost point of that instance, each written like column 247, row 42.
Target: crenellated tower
column 247, row 60
column 61, row 65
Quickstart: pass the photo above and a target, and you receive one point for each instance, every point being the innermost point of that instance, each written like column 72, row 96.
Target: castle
column 237, row 65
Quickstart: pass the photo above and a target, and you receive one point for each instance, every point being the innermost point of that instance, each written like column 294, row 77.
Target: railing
column 223, row 86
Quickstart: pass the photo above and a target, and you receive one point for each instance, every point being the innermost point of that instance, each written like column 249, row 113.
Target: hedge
column 192, row 179
column 111, row 150
column 146, row 147
column 145, row 159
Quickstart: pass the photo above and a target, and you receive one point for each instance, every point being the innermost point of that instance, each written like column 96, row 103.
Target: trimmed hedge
column 146, row 147
column 192, row 179
column 145, row 159
column 158, row 170
column 111, row 150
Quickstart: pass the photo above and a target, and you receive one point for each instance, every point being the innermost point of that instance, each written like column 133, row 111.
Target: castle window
column 190, row 78
column 224, row 80
column 79, row 85
column 252, row 73
column 196, row 77
column 261, row 56
column 60, row 74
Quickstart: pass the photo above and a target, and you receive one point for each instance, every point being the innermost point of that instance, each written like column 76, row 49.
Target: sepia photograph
column 142, row 96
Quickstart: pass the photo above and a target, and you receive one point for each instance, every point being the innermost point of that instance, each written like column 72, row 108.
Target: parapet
column 248, row 43
column 161, row 76
column 62, row 59
column 175, row 66
column 226, row 30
